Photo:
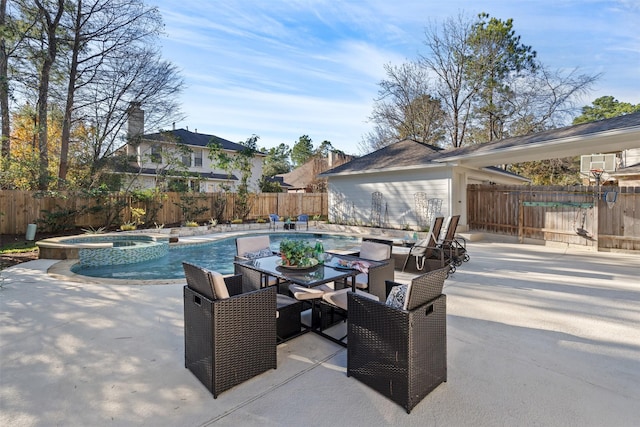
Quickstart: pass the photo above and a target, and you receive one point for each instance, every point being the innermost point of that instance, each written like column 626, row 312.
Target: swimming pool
column 217, row 255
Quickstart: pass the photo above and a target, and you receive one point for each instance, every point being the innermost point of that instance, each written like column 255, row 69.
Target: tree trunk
column 51, row 27
column 4, row 87
column 68, row 109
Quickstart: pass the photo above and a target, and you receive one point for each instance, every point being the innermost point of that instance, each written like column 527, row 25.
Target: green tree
column 566, row 171
column 269, row 186
column 242, row 161
column 277, row 160
column 90, row 59
column 497, row 55
column 605, row 107
column 301, row 151
column 489, row 84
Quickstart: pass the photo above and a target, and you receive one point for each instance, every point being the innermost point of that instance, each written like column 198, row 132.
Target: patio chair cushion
column 398, row 297
column 375, row 251
column 245, row 245
column 339, row 297
column 219, row 287
column 259, row 254
column 425, row 287
column 362, row 281
column 303, row 293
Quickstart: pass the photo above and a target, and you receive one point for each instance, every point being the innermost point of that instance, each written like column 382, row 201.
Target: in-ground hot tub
column 106, row 249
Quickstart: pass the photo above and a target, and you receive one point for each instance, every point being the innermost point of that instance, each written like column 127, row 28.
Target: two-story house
column 181, row 158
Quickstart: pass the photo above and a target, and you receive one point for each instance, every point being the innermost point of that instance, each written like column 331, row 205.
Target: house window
column 186, row 160
column 156, row 154
column 197, row 158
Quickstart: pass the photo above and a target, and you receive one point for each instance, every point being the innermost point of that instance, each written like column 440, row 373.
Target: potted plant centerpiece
column 297, row 254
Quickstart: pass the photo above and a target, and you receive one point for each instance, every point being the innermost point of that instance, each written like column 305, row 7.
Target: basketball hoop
column 597, row 174
column 610, row 197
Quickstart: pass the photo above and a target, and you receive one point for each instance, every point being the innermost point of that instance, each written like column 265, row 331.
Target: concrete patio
column 537, row 335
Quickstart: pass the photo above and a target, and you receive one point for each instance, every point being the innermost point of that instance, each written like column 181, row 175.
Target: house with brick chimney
column 179, row 158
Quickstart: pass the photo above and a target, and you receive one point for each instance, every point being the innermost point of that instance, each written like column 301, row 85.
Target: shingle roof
column 410, row 153
column 400, row 154
column 192, row 138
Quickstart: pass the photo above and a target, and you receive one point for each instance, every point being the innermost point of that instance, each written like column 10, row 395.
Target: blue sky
column 282, row 69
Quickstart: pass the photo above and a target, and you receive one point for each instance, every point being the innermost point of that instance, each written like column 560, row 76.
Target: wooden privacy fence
column 20, row 208
column 572, row 214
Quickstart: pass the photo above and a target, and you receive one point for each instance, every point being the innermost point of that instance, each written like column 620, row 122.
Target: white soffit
column 608, row 141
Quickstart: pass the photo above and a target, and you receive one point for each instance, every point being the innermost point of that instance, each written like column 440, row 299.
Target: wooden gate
column 575, row 215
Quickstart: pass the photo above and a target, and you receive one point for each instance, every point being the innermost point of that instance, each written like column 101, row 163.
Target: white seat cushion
column 339, row 298
column 303, row 293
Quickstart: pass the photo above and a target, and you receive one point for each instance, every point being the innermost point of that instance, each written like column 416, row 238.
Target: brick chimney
column 135, row 125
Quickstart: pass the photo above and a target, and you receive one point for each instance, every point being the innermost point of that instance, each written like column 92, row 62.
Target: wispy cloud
column 281, row 69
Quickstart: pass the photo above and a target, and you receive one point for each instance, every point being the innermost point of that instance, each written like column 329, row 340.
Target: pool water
column 217, row 256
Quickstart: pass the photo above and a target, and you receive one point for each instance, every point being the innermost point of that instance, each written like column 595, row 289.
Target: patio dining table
column 313, row 276
column 270, row 267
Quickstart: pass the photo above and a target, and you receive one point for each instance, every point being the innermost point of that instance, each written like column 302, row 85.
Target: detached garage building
column 400, row 184
column 389, row 187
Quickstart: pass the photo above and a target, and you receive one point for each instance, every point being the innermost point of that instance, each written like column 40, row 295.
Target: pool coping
column 63, row 268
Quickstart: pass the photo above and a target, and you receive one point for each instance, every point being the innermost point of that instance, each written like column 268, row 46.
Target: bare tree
column 448, row 59
column 139, row 75
column 99, row 29
column 406, row 107
column 545, row 99
column 106, row 56
column 378, row 138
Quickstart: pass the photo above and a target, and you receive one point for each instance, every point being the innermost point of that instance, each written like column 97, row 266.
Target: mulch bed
column 9, row 260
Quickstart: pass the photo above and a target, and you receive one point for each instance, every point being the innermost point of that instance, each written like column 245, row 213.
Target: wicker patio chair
column 374, row 281
column 248, row 248
column 227, row 340
column 400, row 352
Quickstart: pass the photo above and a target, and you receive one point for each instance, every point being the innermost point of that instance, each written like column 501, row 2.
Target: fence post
column 520, row 219
column 596, row 225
